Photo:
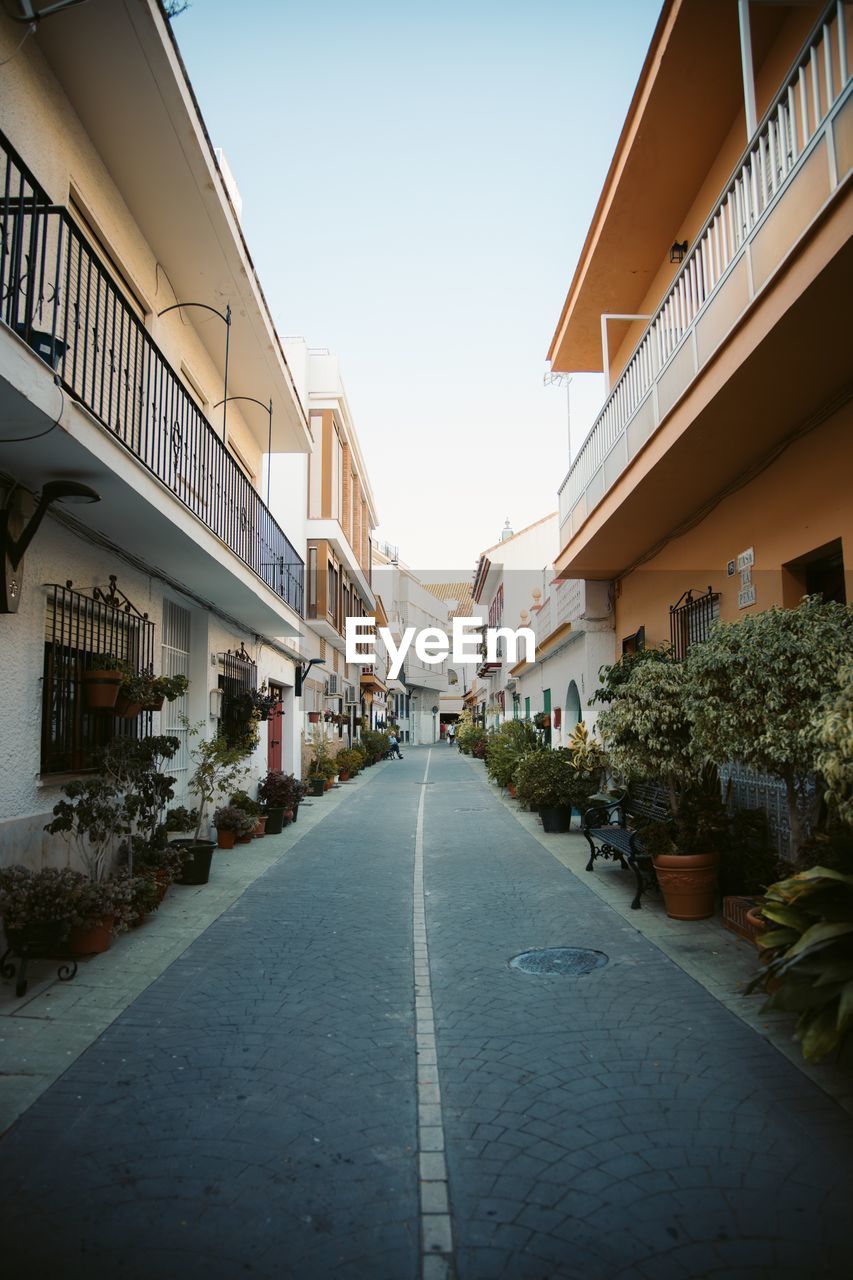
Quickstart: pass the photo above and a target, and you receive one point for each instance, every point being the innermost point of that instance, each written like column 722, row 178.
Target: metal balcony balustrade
column 61, row 299
column 800, row 114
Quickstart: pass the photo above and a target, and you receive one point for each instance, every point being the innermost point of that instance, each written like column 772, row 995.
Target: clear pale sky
column 417, row 182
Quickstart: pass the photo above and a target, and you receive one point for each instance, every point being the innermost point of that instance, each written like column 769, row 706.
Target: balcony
column 62, row 301
column 794, row 166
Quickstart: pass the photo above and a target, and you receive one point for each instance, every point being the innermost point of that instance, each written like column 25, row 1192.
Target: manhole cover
column 573, row 961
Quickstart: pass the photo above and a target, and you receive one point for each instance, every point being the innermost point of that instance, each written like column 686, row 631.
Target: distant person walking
column 395, row 747
column 451, row 734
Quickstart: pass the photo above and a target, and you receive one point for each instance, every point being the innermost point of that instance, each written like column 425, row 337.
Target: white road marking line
column 436, row 1228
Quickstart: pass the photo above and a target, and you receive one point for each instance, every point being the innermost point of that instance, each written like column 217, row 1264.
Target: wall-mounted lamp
column 678, row 250
column 301, row 672
column 215, row 704
column 13, row 548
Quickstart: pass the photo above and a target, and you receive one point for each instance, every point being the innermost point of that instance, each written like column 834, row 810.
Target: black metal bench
column 622, row 841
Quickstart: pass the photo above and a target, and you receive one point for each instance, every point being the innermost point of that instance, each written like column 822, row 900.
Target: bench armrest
column 593, row 815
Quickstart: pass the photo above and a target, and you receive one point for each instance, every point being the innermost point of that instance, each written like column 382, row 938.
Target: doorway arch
column 573, row 708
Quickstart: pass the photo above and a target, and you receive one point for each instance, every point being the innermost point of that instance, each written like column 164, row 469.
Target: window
column 312, row 582
column 79, row 628
column 634, row 643
column 546, row 701
column 527, row 708
column 241, row 462
column 333, row 602
column 690, row 620
column 818, row 573
column 88, row 225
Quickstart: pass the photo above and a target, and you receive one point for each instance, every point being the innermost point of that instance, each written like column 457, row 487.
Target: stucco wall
column 799, row 503
column 56, row 555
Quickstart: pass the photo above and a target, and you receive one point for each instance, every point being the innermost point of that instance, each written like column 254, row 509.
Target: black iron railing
column 62, row 300
column 690, row 620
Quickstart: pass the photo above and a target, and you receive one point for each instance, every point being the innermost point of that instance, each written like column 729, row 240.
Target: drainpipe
column 747, row 69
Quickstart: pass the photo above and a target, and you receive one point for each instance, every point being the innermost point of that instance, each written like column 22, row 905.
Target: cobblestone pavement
column 253, row 1112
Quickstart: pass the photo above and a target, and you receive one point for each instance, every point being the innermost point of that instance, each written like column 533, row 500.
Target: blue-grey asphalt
column 253, row 1112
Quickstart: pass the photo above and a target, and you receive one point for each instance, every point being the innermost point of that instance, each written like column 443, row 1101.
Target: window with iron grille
column 78, row 629
column 690, row 620
column 239, row 682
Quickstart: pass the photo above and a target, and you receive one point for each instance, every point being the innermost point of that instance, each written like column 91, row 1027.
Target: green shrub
column 810, row 955
column 506, row 747
column 546, row 779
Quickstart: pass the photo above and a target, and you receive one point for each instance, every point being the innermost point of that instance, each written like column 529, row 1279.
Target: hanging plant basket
column 127, row 709
column 313, row 717
column 101, row 688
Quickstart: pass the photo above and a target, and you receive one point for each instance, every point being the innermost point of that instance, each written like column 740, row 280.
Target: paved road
column 254, row 1111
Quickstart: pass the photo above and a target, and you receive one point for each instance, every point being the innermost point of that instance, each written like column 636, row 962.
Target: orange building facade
column 713, row 292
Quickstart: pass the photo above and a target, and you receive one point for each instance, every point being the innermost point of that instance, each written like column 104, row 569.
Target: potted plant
column 158, row 858
column 274, row 793
column 164, row 689
column 101, row 681
column 99, row 909
column 313, row 717
column 232, row 822
column 808, row 967
column 218, row 768
column 242, row 800
column 506, row 748
column 546, row 781
column 349, row 763
column 650, row 738
column 759, row 689
column 36, row 907
column 93, row 818
column 144, row 896
column 542, row 720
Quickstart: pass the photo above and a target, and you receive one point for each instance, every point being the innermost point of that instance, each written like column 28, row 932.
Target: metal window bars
column 690, row 620
column 61, row 299
column 79, row 627
column 239, row 683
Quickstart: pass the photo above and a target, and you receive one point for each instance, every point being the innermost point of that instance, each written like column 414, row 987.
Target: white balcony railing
column 810, row 100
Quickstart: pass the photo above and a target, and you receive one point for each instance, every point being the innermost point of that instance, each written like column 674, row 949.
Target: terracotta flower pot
column 226, row 839
column 688, row 883
column 91, row 942
column 510, row 786
column 246, row 839
column 343, row 776
column 154, row 704
column 261, row 827
column 101, row 689
column 313, row 717
column 126, row 709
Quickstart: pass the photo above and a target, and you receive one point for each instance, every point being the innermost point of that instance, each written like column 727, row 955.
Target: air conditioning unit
column 351, row 698
column 332, row 686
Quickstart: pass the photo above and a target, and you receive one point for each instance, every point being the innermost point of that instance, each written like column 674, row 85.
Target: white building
column 418, row 689
column 336, row 528
column 114, row 212
column 573, row 624
column 505, row 577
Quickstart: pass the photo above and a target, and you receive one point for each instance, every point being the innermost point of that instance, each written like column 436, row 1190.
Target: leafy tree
column 754, row 688
column 835, row 738
column 615, row 676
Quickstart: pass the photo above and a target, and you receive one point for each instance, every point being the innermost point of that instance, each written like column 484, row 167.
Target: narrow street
column 256, row 1110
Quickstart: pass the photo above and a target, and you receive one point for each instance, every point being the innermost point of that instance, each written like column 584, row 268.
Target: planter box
column 735, row 913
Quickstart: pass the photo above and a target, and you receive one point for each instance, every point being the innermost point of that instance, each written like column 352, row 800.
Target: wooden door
column 275, row 729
